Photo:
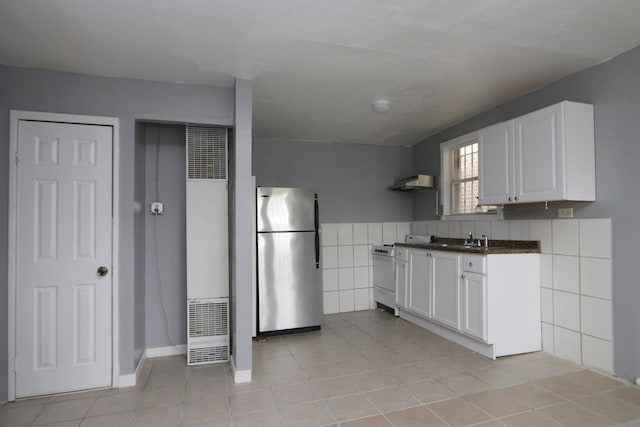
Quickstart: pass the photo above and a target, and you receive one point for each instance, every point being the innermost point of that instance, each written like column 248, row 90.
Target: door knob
column 103, row 271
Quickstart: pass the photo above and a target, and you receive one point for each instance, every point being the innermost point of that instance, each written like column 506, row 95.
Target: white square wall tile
column 360, row 235
column 361, row 255
column 455, row 229
column 567, row 344
column 361, row 299
column 541, row 230
column 432, row 228
column 345, row 256
column 330, row 279
column 347, row 301
column 372, row 300
column 345, row 234
column 421, row 228
column 345, row 278
column 547, row 338
column 414, row 227
column 595, row 277
column 361, row 277
column 565, row 236
column 329, row 257
column 546, row 305
column 402, row 229
column 597, row 353
column 329, row 234
column 467, row 227
column 483, row 227
column 546, row 270
column 566, row 310
column 596, row 317
column 595, row 238
column 331, row 302
column 374, row 231
column 442, row 229
column 499, row 230
column 566, row 273
column 389, row 232
column 519, row 230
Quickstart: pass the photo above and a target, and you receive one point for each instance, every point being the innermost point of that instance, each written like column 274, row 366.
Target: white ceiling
column 317, row 65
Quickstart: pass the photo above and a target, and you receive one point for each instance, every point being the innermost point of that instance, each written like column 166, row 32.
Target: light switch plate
column 565, row 212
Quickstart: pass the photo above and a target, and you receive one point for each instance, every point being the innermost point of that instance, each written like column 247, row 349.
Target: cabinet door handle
column 470, row 264
column 462, row 276
column 509, row 199
column 516, row 198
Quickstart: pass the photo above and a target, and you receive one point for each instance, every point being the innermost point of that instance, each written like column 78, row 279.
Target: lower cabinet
column 474, row 305
column 488, row 303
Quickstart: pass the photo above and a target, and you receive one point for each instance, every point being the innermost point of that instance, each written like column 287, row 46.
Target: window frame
column 446, row 150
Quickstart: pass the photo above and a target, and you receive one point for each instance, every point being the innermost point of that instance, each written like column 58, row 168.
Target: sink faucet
column 486, row 240
column 469, row 241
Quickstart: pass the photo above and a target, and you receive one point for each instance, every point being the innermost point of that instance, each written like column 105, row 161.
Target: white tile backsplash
column 546, row 271
column 432, row 228
column 467, row 227
column 547, row 338
column 402, row 229
column 421, row 228
column 374, row 231
column 597, row 353
column 442, row 229
column 455, row 230
column 482, row 227
column 565, row 237
column 345, row 278
column 546, row 305
column 595, row 238
column 596, row 317
column 347, row 301
column 595, row 277
column 566, row 310
column 361, row 277
column 360, row 234
column 499, row 230
column 566, row 273
column 330, row 280
column 361, row 255
column 389, row 230
column 331, row 302
column 345, row 256
column 345, row 234
column 330, row 257
column 329, row 234
column 519, row 230
column 361, row 299
column 541, row 230
column 567, row 344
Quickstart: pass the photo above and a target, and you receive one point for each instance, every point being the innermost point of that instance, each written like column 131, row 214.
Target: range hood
column 415, row 183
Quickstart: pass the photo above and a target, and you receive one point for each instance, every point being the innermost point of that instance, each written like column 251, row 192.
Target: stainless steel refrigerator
column 289, row 274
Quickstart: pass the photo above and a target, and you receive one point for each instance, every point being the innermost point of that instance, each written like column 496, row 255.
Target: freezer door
column 286, row 209
column 289, row 284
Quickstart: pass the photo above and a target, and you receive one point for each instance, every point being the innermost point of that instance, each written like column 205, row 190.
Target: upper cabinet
column 543, row 156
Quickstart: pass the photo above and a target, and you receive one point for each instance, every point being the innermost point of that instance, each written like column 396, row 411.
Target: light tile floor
column 363, row 369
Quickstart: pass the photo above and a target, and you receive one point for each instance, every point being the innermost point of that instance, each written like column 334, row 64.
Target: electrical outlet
column 565, row 212
column 157, row 208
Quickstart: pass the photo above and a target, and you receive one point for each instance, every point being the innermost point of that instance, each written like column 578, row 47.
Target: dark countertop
column 495, row 246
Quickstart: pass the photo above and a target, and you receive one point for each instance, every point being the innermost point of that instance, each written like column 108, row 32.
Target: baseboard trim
column 243, row 376
column 130, row 380
column 171, row 350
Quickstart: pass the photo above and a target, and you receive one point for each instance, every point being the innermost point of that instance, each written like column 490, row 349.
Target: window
column 460, row 177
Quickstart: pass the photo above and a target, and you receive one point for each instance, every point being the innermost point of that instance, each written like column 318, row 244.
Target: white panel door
column 420, row 272
column 445, row 289
column 474, row 305
column 496, row 179
column 63, row 298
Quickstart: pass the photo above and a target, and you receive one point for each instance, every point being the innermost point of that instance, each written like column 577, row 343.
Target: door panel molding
column 15, row 117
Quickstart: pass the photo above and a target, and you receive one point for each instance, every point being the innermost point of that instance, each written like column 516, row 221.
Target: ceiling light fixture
column 380, row 106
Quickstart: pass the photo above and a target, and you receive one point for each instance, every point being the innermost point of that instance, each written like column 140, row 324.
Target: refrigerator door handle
column 317, row 249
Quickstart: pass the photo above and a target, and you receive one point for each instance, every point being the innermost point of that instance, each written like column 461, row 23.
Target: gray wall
column 351, row 179
column 614, row 90
column 139, row 250
column 128, row 100
column 171, row 235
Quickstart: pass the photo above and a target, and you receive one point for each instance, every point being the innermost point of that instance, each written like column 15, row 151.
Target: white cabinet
column 420, row 282
column 446, row 289
column 488, row 303
column 474, row 297
column 546, row 155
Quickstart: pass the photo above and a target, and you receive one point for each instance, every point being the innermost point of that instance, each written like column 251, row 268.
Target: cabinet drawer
column 402, row 254
column 474, row 264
